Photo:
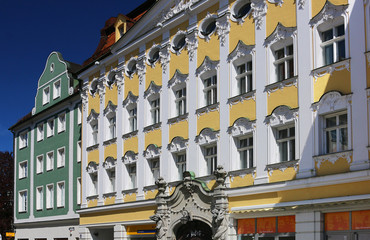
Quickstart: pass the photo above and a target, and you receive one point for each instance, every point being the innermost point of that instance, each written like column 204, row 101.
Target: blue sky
column 30, row 31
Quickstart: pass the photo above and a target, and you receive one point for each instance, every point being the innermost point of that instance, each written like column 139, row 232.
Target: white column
column 119, row 232
column 165, row 165
column 261, row 101
column 309, row 225
column 31, row 171
column 141, row 161
column 305, row 93
column 101, row 171
column 71, row 187
column 223, row 81
column 358, row 85
column 84, row 179
column 119, row 123
column 191, row 98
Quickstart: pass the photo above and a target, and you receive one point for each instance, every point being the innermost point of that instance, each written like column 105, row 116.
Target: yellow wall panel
column 208, row 120
column 338, row 190
column 94, row 102
column 211, row 184
column 279, row 176
column 129, row 197
column 244, row 181
column 244, row 32
column 246, row 109
column 180, row 62
column 153, row 74
column 132, row 214
column 130, row 144
column 150, row 194
column 287, row 96
column 93, row 156
column 92, row 203
column 109, row 200
column 110, row 151
column 341, row 165
column 337, row 81
column 317, row 5
column 131, row 85
column 286, row 15
column 179, row 129
column 111, row 95
column 153, row 137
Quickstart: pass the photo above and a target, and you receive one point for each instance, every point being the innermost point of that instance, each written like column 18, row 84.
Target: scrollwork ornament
column 220, row 224
column 192, row 44
column 301, row 4
column 259, row 11
column 161, row 227
column 223, row 28
column 164, row 55
column 140, row 65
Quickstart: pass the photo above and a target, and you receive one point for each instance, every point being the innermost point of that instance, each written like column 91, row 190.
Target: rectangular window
column 181, row 164
column 39, row 198
column 40, row 132
column 94, row 184
column 60, row 194
column 50, row 196
column 155, row 111
column 211, row 158
column 333, row 44
column 50, row 128
column 336, row 132
column 23, row 169
column 112, row 127
column 22, row 201
column 40, row 164
column 78, row 191
column 61, row 157
column 132, row 173
column 94, row 129
column 154, row 167
column 284, row 63
column 56, row 89
column 210, row 90
column 49, row 161
column 133, row 119
column 112, row 180
column 61, row 122
column 79, row 153
column 181, row 102
column 286, row 142
column 244, row 77
column 23, row 140
column 245, row 149
column 79, row 114
column 45, row 96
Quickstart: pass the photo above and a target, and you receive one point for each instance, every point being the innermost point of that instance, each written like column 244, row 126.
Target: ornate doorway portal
column 194, row 230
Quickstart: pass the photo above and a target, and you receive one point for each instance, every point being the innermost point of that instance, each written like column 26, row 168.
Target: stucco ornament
column 278, row 2
column 177, row 144
column 280, row 33
column 281, row 116
column 220, row 224
column 241, row 50
column 206, row 66
column 161, row 226
column 84, row 98
column 301, row 4
column 177, row 78
column 241, row 126
column 332, row 101
column 178, row 7
column 130, row 157
column 164, row 56
column 140, row 65
column 223, row 28
column 152, row 89
column 207, row 136
column 259, row 11
column 328, row 12
column 192, row 44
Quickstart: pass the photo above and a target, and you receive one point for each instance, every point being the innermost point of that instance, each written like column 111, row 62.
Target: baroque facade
column 229, row 119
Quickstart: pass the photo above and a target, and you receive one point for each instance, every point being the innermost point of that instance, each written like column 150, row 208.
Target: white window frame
column 62, row 122
column 130, row 160
column 210, row 159
column 337, row 128
column 49, row 196
column 110, row 122
column 45, row 95
column 132, row 172
column 79, row 151
column 110, row 170
column 93, row 128
column 178, row 146
column 247, row 75
column 56, row 89
column 288, row 140
column 177, row 83
column 180, row 159
column 40, row 164
column 23, row 139
column 40, row 132
column 78, row 188
column 39, row 198
column 154, row 165
column 334, row 42
column 155, row 110
column 152, row 153
column 288, row 57
column 282, row 117
column 206, row 70
column 329, row 17
column 132, row 118
column 61, row 158
column 249, row 149
column 92, row 181
column 22, row 201
column 207, row 139
column 60, row 194
column 49, row 161
column 79, row 114
column 50, row 128
column 23, row 169
column 211, row 90
column 129, row 104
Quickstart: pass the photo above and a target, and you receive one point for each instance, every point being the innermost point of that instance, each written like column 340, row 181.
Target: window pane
column 279, row 53
column 331, row 141
column 292, row 150
column 328, row 54
column 251, row 157
column 283, row 133
column 340, row 30
column 330, row 122
column 283, row 150
column 214, row 90
column 327, row 35
column 343, row 139
column 342, row 119
column 249, row 66
column 280, row 71
column 242, row 86
column 241, row 69
column 249, row 86
column 341, row 50
column 290, row 65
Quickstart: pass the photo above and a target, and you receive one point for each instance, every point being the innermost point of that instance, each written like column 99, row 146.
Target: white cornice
column 136, row 204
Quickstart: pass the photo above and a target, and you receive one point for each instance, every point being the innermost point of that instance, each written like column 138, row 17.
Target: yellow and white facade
column 274, row 91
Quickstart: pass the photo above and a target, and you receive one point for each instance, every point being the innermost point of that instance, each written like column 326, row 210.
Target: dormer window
column 179, row 42
column 241, row 9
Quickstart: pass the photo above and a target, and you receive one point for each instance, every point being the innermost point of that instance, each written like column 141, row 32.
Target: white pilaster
column 309, row 225
column 85, row 107
column 119, row 232
column 101, row 170
column 31, row 171
column 71, row 160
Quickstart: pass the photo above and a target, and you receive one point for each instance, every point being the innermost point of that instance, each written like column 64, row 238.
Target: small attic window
column 52, row 67
column 153, row 55
column 131, row 67
column 179, row 42
column 208, row 26
column 241, row 9
column 93, row 87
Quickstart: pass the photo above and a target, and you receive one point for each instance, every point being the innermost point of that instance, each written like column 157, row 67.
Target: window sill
column 50, row 208
column 39, row 140
column 20, row 148
column 109, row 194
column 178, row 118
column 61, row 131
column 333, row 157
column 60, row 207
column 129, row 191
column 21, row 178
column 207, row 109
column 60, row 167
column 129, row 135
column 240, row 98
column 329, row 69
column 49, row 170
column 242, row 172
column 38, row 210
column 92, row 197
column 282, row 166
column 273, row 87
column 150, row 188
column 39, row 173
column 110, row 141
column 93, row 147
column 50, row 136
column 152, row 127
column 22, row 212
